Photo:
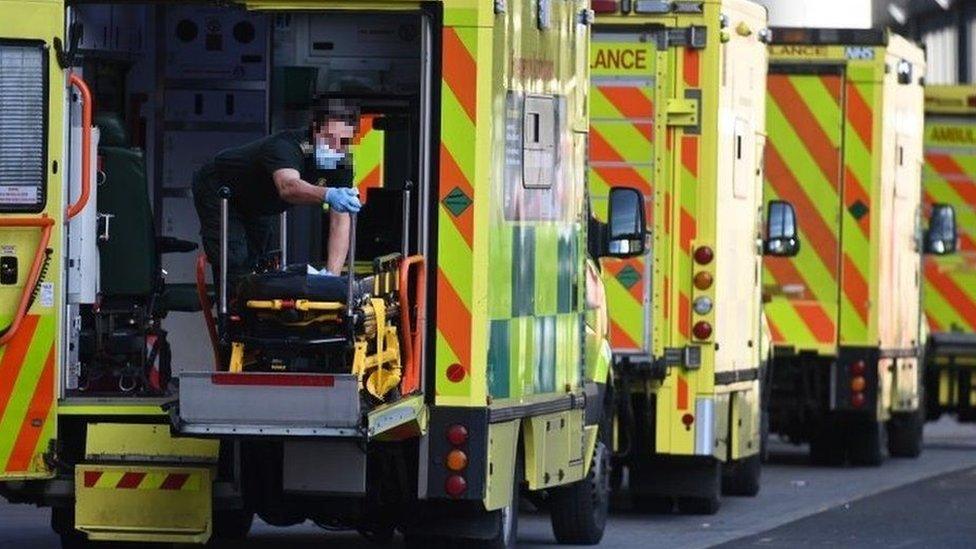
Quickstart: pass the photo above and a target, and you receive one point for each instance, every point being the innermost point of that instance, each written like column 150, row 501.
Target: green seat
column 130, row 257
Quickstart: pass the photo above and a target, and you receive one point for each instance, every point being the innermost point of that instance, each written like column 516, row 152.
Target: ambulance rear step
column 269, row 404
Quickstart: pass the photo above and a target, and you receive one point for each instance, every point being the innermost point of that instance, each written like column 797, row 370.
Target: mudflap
column 136, row 503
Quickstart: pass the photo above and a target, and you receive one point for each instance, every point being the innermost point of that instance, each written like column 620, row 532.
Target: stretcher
column 315, row 351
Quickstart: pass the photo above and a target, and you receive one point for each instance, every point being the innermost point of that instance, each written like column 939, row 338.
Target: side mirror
column 782, row 239
column 941, row 238
column 627, row 227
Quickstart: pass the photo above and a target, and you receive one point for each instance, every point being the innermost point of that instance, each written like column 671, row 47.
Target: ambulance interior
column 175, row 84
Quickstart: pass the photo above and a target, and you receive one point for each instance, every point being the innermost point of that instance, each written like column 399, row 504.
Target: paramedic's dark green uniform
column 254, row 204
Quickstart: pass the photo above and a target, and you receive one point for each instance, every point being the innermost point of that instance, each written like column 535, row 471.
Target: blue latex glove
column 343, row 199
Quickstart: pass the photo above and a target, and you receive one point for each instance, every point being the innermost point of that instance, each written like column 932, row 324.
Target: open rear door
column 32, row 98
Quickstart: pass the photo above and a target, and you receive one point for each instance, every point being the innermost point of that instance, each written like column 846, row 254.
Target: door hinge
column 695, row 37
column 683, row 111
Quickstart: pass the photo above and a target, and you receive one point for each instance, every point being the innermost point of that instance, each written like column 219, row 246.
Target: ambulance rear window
column 23, row 107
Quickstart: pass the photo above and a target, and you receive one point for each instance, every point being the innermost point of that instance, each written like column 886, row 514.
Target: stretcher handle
column 412, row 332
column 206, row 307
column 224, row 194
column 46, row 225
column 351, row 275
column 86, row 138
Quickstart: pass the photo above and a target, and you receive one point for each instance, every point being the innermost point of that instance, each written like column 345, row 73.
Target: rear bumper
column 950, row 375
column 268, row 404
column 165, row 504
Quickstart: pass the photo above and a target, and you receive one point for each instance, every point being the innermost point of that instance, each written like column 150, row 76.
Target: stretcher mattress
column 295, row 283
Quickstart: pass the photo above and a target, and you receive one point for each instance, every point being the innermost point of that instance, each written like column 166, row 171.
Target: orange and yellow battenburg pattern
column 823, row 291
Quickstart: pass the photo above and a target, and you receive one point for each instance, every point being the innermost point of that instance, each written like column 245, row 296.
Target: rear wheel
column 827, row 445
column 741, row 477
column 579, row 511
column 63, row 524
column 867, row 442
column 905, row 434
column 481, row 530
column 231, row 524
column 699, row 505
column 708, row 493
column 658, row 505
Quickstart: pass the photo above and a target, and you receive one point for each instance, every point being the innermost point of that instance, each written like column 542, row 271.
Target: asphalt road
column 915, row 503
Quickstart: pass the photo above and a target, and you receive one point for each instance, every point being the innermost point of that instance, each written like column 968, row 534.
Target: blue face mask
column 326, row 158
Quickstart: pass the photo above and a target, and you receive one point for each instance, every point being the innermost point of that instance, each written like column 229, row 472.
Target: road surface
column 915, row 503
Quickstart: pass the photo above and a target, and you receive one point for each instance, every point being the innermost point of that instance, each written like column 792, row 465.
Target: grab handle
column 86, row 138
column 412, row 332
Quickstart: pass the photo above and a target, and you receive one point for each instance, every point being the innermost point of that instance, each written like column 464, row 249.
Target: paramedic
column 266, row 177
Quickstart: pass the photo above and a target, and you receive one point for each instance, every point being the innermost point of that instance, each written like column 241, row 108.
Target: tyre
column 699, row 505
column 579, row 511
column 232, row 524
column 905, row 434
column 827, row 445
column 741, row 477
column 867, row 443
column 708, row 491
column 657, row 505
column 63, row 524
column 486, row 530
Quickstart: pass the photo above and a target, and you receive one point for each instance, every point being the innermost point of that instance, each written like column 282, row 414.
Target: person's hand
column 343, row 199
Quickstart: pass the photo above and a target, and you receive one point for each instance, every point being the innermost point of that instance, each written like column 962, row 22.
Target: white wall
column 819, row 13
column 942, row 49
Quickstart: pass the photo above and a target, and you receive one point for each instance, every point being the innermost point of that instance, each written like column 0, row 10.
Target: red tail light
column 857, row 400
column 858, row 368
column 704, row 255
column 604, row 6
column 457, row 434
column 702, row 330
column 455, row 485
column 687, row 419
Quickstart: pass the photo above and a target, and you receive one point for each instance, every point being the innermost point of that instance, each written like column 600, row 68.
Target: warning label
column 19, row 195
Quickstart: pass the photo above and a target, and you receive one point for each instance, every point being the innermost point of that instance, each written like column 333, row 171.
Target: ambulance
column 844, row 118
column 949, row 290
column 459, row 362
column 677, row 107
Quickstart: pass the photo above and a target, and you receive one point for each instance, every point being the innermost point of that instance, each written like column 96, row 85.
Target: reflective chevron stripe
column 368, row 153
column 949, row 177
column 456, row 215
column 114, row 479
column 621, row 153
column 27, row 382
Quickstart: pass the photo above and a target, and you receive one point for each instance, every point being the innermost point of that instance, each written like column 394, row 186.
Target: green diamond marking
column 628, row 276
column 456, row 201
column 858, row 210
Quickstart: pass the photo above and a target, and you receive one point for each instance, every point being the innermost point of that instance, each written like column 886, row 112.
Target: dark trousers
column 248, row 236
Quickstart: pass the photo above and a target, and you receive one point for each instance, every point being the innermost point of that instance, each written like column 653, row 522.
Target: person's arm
column 338, row 247
column 293, row 190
